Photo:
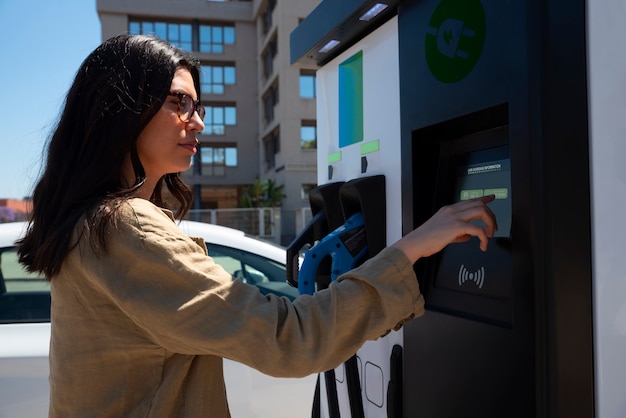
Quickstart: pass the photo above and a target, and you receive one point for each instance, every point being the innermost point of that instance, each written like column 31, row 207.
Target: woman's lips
column 191, row 147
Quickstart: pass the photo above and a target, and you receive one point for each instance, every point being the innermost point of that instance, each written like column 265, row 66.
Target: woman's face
column 167, row 144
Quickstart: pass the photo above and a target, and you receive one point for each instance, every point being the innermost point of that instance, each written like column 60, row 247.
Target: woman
column 141, row 316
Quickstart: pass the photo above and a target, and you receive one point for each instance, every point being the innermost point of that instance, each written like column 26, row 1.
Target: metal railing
column 259, row 222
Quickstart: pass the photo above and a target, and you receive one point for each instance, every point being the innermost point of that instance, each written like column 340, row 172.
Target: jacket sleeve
column 167, row 285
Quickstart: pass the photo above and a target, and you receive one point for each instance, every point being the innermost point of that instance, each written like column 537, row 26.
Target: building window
column 308, row 135
column 217, row 118
column 214, row 37
column 270, row 100
column 214, row 160
column 307, row 84
column 267, row 16
column 177, row 34
column 210, row 38
column 268, row 55
column 271, row 147
column 215, row 77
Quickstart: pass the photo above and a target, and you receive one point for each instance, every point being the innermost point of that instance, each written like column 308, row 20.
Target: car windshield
column 24, row 296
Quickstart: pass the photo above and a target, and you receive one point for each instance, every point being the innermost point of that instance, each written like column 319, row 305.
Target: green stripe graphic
column 351, row 100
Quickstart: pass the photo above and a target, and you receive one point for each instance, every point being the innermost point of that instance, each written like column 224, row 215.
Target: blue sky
column 43, row 44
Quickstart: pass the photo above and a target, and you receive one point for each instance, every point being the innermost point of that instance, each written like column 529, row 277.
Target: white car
column 25, row 328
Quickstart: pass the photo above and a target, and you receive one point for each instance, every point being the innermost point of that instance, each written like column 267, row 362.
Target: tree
column 262, row 194
column 7, row 214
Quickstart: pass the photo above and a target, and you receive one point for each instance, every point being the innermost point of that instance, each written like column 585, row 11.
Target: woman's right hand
column 450, row 224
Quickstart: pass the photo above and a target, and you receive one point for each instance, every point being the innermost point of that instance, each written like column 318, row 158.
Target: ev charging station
column 422, row 103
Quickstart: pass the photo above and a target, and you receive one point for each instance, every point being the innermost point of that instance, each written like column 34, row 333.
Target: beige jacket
column 142, row 330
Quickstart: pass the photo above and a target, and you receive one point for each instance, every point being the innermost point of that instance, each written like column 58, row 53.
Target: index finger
column 477, row 209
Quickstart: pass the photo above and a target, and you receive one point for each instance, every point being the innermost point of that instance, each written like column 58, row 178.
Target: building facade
column 260, row 121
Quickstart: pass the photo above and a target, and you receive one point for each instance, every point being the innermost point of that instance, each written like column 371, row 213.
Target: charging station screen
column 485, row 178
column 466, row 280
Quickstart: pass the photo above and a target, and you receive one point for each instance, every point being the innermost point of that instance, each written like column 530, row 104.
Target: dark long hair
column 117, row 90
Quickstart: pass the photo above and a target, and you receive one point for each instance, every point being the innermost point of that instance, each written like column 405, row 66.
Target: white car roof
column 234, row 238
column 11, row 232
column 212, row 234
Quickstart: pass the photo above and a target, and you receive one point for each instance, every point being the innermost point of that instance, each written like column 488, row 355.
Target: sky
column 43, row 44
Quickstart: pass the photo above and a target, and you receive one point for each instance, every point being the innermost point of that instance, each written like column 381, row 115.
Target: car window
column 250, row 268
column 24, row 296
column 267, row 275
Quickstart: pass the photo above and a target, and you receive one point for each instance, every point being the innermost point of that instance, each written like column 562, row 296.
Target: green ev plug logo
column 454, row 39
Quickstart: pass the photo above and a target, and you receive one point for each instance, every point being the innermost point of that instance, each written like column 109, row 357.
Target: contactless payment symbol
column 477, row 277
column 454, row 39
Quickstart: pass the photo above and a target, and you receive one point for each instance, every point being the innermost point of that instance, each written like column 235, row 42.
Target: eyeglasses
column 186, row 106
